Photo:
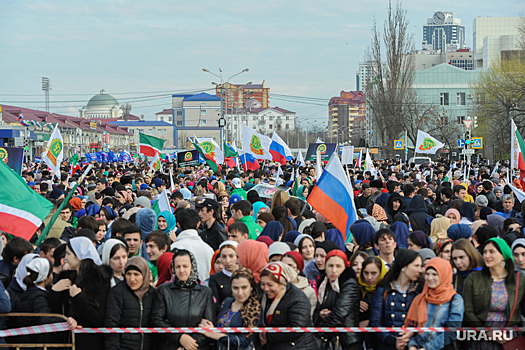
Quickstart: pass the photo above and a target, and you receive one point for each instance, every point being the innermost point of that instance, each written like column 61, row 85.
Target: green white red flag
column 150, row 145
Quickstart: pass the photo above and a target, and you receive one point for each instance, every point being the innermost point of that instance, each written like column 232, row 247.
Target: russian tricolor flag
column 248, row 161
column 279, row 149
column 332, row 196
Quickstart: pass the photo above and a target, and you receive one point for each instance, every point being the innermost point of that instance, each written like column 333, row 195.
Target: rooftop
column 133, row 123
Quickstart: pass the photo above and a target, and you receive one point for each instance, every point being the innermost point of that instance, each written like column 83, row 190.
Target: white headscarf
column 21, row 271
column 41, row 266
column 83, row 248
column 108, row 246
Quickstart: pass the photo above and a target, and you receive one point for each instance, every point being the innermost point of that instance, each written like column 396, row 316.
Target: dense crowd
column 426, row 250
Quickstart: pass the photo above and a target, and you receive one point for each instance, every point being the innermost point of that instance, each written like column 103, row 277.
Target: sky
column 141, row 52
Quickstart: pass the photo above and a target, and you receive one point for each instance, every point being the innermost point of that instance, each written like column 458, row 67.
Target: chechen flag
column 21, row 209
column 331, row 196
column 150, row 145
column 521, row 160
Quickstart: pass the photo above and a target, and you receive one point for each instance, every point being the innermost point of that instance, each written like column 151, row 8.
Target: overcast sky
column 307, row 48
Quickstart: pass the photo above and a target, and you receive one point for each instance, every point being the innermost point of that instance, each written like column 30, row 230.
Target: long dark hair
column 404, row 258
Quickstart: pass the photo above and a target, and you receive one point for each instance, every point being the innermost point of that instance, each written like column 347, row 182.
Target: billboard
column 13, row 157
column 326, row 150
column 187, row 158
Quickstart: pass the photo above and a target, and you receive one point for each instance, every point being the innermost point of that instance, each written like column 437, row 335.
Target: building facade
column 366, row 74
column 101, row 106
column 346, row 117
column 491, row 36
column 165, row 116
column 236, row 96
column 263, row 120
column 424, row 59
column 444, row 32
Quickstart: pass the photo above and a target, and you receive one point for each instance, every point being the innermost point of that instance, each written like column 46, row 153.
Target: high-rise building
column 346, row 116
column 444, row 32
column 492, row 35
column 236, row 96
column 365, row 75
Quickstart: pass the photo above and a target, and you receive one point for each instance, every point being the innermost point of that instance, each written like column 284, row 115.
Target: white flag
column 300, row 159
column 426, row 143
column 318, row 140
column 155, row 163
column 347, row 157
column 171, row 180
column 318, row 166
column 514, row 147
column 54, row 152
column 211, row 148
column 369, row 165
column 258, row 145
column 164, row 203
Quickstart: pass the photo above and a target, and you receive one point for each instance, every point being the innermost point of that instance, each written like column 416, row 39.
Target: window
column 141, row 130
column 203, row 112
column 270, row 126
column 161, row 118
column 287, row 117
column 203, row 122
column 460, row 119
column 203, row 104
column 150, row 131
column 460, row 96
column 179, row 113
column 179, row 122
column 424, row 66
column 433, row 64
column 443, row 99
column 169, row 119
column 287, row 126
column 160, row 131
column 271, row 117
column 444, row 120
column 254, row 126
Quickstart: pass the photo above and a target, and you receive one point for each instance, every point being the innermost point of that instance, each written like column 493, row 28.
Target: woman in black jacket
column 220, row 281
column 284, row 305
column 129, row 305
column 82, row 291
column 183, row 303
column 339, row 301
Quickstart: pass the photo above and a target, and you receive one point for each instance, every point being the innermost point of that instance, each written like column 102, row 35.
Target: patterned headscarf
column 194, row 274
column 251, row 309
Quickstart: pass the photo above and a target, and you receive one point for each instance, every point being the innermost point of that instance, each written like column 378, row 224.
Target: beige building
column 492, row 35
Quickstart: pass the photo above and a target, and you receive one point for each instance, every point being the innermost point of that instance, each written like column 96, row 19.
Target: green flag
column 521, row 143
column 229, row 152
column 213, row 166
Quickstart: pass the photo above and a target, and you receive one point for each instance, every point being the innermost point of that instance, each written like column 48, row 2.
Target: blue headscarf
column 93, row 210
column 401, row 233
column 112, row 214
column 146, row 220
column 457, row 231
column 170, row 220
column 363, row 232
column 80, row 213
column 382, row 200
column 256, row 207
column 468, row 210
column 334, row 235
column 291, row 236
column 273, row 229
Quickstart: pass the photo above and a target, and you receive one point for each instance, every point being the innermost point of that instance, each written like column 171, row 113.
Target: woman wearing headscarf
column 93, row 210
column 182, row 303
column 518, row 253
column 164, row 268
column 416, row 211
column 418, row 240
column 306, row 245
column 438, row 305
column 296, row 262
column 334, row 235
column 438, row 228
column 443, row 247
column 81, row 292
column 146, row 219
column 284, row 305
column 379, row 213
column 301, row 192
column 314, row 271
column 253, row 255
column 393, row 297
column 465, row 259
column 129, row 305
column 468, row 213
column 401, row 233
column 17, row 285
column 339, row 298
column 243, row 310
column 274, row 230
column 457, row 231
column 453, row 215
column 393, row 206
column 291, row 236
column 220, row 281
column 115, row 255
column 76, row 203
column 166, row 222
column 468, row 196
column 363, row 233
column 496, row 221
column 258, row 207
column 493, row 296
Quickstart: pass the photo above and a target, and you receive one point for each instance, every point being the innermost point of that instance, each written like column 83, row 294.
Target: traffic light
column 467, row 139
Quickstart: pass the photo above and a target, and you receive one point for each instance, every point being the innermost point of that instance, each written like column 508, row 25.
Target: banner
column 13, row 157
column 54, row 152
column 326, row 150
column 427, row 144
column 188, row 158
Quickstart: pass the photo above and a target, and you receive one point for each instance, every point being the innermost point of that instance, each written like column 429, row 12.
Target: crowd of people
column 425, row 251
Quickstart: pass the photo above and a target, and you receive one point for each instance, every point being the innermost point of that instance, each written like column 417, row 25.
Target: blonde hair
column 279, row 198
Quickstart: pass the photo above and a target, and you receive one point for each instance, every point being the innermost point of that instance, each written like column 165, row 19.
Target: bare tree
column 390, row 95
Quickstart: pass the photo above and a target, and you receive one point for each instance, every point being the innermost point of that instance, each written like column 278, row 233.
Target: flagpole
column 51, row 222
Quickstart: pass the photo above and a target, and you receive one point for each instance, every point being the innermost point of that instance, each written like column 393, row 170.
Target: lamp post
column 222, row 82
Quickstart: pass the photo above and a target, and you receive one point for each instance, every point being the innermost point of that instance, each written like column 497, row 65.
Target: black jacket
column 124, row 309
column 220, row 286
column 416, row 212
column 214, row 235
column 344, row 307
column 88, row 308
column 177, row 307
column 293, row 311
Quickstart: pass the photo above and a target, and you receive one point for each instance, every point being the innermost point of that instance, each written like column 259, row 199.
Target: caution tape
column 292, row 329
column 44, row 328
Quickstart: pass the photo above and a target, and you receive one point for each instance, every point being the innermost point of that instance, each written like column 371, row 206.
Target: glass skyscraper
column 444, row 32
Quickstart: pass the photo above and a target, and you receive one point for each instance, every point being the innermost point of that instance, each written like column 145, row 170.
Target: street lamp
column 222, row 99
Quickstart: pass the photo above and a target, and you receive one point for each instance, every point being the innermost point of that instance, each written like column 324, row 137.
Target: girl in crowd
column 284, row 305
column 129, row 305
column 164, row 268
column 363, row 234
column 465, row 259
column 357, row 260
column 306, row 245
column 220, row 281
column 438, row 228
column 254, row 256
column 274, row 230
column 372, row 272
column 81, row 292
column 314, row 271
column 443, row 248
column 492, row 296
column 100, row 233
column 166, row 222
column 17, row 285
column 438, row 305
column 183, row 303
column 339, row 300
column 453, row 215
column 418, row 240
column 518, row 252
column 393, row 298
column 243, row 310
column 296, row 262
column 115, row 254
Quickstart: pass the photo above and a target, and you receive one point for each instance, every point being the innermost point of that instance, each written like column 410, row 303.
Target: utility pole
column 46, row 87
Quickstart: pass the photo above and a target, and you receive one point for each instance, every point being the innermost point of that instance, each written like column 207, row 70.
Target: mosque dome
column 101, row 100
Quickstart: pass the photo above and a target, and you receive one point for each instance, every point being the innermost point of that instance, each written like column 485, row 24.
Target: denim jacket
column 447, row 315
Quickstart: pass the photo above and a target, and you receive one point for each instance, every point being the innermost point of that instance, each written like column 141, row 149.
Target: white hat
column 278, row 248
column 237, row 182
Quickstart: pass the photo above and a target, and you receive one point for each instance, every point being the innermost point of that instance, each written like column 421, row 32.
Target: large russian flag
column 279, row 149
column 332, row 198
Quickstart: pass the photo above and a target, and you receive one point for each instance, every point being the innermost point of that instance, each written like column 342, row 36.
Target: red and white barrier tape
column 44, row 328
column 290, row 329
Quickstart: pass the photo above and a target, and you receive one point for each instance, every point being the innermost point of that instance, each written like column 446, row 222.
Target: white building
column 444, row 32
column 424, row 59
column 101, row 106
column 165, row 116
column 366, row 74
column 263, row 120
column 492, row 35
